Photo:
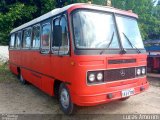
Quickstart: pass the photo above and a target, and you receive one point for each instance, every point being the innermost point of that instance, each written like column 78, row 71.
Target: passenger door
column 45, row 56
column 45, row 62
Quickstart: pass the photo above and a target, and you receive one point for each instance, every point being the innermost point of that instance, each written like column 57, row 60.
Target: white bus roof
column 60, row 10
column 43, row 17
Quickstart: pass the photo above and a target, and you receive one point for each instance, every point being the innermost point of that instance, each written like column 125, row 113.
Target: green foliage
column 148, row 22
column 99, row 2
column 5, row 74
column 16, row 12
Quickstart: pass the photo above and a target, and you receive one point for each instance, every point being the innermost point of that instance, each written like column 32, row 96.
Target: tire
column 21, row 79
column 124, row 99
column 66, row 104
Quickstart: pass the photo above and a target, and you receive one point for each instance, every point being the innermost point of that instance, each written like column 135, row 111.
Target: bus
column 83, row 54
column 153, row 60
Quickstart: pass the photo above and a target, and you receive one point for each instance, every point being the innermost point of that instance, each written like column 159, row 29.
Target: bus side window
column 45, row 37
column 12, row 41
column 18, row 40
column 63, row 48
column 27, row 38
column 55, row 44
column 36, row 37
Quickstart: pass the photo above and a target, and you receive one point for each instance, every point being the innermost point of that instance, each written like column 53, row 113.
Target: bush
column 5, row 74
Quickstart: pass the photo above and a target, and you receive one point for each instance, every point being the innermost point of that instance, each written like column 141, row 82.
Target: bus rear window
column 12, row 41
column 18, row 40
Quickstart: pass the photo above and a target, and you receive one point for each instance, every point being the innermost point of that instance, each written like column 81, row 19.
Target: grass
column 5, row 74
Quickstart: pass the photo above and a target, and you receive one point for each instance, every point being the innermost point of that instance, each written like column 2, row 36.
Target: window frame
column 59, row 17
column 36, row 48
column 30, row 38
column 43, row 49
column 128, row 17
column 95, row 11
column 55, row 18
column 16, row 34
column 12, row 47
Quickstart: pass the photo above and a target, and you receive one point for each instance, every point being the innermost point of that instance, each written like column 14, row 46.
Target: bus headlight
column 91, row 77
column 99, row 76
column 138, row 71
column 95, row 77
column 143, row 70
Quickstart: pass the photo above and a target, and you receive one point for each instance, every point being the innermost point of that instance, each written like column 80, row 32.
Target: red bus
column 82, row 53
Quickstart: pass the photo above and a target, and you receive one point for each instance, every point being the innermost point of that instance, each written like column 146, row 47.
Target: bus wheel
column 22, row 80
column 66, row 104
column 124, row 99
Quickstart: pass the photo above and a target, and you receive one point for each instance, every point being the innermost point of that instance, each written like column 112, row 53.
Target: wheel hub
column 64, row 98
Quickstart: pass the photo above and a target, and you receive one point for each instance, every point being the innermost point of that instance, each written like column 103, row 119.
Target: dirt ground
column 16, row 98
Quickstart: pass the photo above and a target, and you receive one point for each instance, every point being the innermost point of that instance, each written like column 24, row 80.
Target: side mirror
column 57, row 35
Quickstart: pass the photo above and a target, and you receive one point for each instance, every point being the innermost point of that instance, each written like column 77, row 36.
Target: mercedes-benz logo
column 122, row 72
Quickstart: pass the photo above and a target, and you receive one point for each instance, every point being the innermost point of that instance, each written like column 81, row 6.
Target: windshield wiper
column 133, row 46
column 108, row 45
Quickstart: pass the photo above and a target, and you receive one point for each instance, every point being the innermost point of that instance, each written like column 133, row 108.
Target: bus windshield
column 94, row 30
column 128, row 29
column 97, row 30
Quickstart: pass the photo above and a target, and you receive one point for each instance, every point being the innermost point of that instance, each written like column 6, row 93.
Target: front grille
column 121, row 61
column 119, row 74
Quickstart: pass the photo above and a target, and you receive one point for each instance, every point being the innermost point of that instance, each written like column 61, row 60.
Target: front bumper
column 95, row 99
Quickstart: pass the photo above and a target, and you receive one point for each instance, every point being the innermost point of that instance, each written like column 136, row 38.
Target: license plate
column 129, row 92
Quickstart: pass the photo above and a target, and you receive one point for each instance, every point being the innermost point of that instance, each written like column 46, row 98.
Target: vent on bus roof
column 121, row 61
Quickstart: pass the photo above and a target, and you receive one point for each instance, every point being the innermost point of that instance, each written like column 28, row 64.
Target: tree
column 17, row 12
column 13, row 15
column 148, row 22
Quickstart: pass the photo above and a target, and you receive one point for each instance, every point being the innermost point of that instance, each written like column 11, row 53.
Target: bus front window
column 128, row 29
column 94, row 30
